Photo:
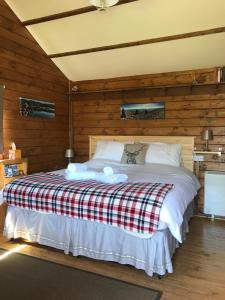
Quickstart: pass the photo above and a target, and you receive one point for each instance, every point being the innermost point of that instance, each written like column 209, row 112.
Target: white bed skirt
column 95, row 240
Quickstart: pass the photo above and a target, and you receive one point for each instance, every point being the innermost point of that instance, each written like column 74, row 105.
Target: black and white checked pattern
column 131, row 206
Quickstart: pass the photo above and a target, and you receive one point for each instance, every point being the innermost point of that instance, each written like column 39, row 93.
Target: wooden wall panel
column 205, row 76
column 188, row 111
column 26, row 71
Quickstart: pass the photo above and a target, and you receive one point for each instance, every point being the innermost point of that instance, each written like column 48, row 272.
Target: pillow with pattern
column 134, row 154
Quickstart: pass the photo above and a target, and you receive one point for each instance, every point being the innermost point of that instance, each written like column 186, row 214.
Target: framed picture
column 143, row 111
column 36, row 108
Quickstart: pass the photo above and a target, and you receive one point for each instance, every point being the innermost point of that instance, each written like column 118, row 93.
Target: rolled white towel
column 76, row 167
column 108, row 170
column 80, row 175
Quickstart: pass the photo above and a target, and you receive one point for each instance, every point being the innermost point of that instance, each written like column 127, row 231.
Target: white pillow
column 162, row 153
column 109, row 150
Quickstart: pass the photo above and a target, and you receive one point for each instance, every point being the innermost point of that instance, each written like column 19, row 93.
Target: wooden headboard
column 187, row 143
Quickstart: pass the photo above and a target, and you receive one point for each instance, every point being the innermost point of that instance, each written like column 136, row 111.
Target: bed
column 149, row 252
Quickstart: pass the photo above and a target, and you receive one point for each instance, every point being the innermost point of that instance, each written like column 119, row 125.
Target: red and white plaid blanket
column 131, row 206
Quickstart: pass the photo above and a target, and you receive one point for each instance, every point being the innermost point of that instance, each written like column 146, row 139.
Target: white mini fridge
column 214, row 203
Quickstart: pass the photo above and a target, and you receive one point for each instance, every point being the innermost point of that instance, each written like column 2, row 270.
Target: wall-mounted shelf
column 208, row 152
column 188, row 85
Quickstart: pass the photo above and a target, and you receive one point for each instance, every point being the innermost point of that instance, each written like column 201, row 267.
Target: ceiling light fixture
column 103, row 4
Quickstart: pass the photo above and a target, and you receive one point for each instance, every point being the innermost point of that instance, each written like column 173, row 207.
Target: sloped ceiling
column 135, row 21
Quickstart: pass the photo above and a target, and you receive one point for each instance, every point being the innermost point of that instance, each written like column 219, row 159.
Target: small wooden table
column 20, row 166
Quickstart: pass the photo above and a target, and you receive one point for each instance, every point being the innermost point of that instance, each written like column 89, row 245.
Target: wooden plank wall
column 189, row 109
column 26, row 71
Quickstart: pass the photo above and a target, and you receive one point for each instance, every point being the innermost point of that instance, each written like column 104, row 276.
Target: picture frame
column 36, row 108
column 142, row 111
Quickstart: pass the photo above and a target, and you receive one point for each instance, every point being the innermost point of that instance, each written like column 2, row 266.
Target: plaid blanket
column 131, row 206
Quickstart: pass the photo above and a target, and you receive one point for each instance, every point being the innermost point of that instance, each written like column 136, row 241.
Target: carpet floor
column 25, row 277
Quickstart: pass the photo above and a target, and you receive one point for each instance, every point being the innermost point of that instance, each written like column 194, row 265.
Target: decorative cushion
column 163, row 153
column 134, row 154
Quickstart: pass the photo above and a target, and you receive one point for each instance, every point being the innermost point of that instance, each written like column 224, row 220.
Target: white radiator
column 214, row 193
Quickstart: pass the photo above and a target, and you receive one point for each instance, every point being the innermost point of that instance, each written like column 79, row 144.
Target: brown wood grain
column 12, row 63
column 140, row 81
column 37, row 64
column 26, row 71
column 21, row 40
column 25, row 78
column 202, row 76
column 12, row 24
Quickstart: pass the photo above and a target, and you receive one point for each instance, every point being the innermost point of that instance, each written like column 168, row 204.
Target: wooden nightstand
column 20, row 166
column 201, row 154
column 7, row 167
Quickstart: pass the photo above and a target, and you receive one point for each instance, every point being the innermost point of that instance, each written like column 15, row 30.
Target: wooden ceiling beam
column 67, row 14
column 141, row 42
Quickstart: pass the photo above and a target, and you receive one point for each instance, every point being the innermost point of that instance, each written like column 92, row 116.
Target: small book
column 7, row 170
column 15, row 170
column 11, row 170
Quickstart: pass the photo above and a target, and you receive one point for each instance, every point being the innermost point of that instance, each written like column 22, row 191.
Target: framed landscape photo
column 145, row 111
column 36, row 108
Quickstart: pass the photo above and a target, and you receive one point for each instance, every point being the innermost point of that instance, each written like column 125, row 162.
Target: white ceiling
column 130, row 22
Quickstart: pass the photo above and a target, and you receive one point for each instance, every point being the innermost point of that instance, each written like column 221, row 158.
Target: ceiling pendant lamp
column 103, row 4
